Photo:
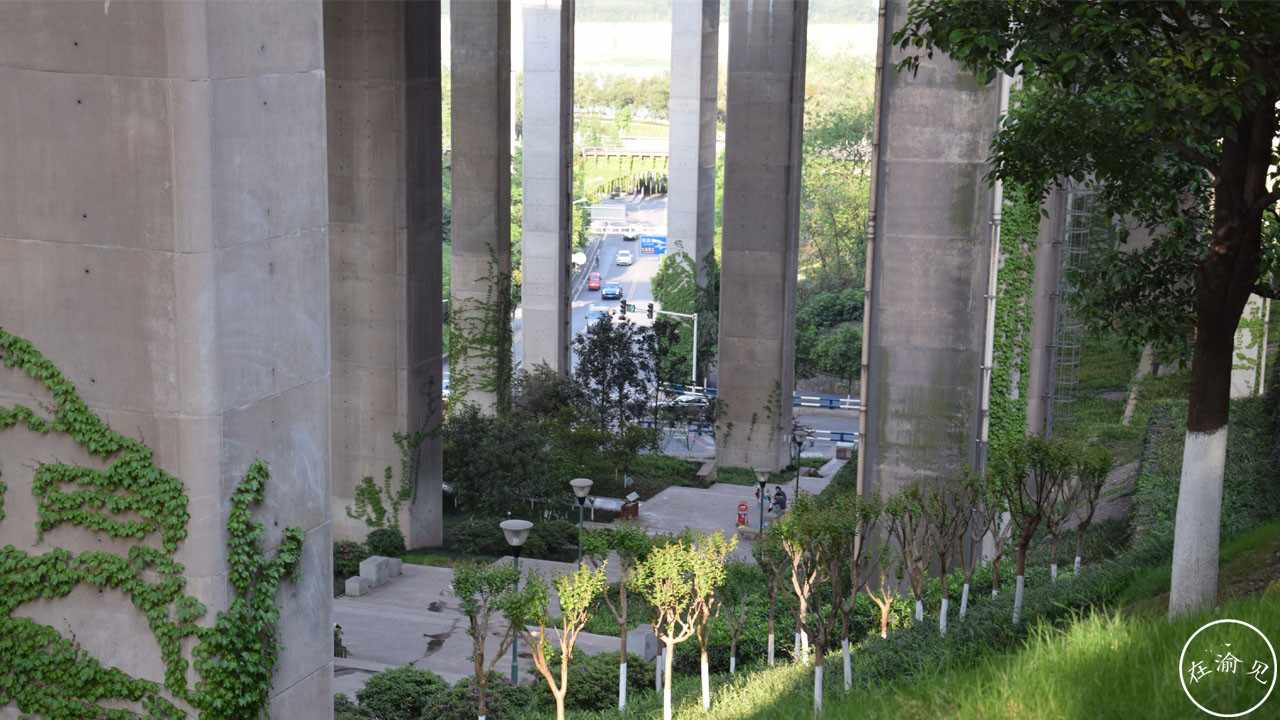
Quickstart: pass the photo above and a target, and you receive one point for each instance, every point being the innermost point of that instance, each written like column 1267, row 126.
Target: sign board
column 653, row 244
column 600, row 213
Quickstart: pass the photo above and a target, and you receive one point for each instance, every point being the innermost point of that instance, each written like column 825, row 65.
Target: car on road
column 686, row 400
column 631, row 234
column 594, row 314
column 611, row 291
column 593, row 281
column 624, row 257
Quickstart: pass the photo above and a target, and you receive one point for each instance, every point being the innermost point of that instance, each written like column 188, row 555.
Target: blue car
column 611, row 291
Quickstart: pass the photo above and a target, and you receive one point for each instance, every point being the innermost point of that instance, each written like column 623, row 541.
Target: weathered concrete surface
column 760, row 232
column 383, row 90
column 547, row 183
column 691, row 205
column 1045, row 289
column 164, row 229
column 480, row 275
column 927, row 269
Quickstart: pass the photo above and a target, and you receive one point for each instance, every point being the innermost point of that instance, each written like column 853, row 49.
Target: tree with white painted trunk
column 678, row 584
column 882, row 594
column 1163, row 105
column 915, row 546
column 741, row 579
column 1064, row 499
column 988, row 520
column 772, row 560
column 817, row 536
column 479, row 589
column 1091, row 472
column 577, row 592
column 1026, row 493
column 860, row 518
column 631, row 544
column 709, row 552
column 948, row 509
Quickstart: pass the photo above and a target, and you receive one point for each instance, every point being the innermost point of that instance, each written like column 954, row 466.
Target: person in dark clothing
column 779, row 504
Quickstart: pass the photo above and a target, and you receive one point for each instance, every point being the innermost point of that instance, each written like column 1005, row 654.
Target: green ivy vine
column 47, row 674
column 480, row 338
column 369, row 497
column 1010, row 374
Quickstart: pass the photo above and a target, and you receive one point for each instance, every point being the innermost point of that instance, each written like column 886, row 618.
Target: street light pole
column 762, row 477
column 581, row 489
column 517, row 531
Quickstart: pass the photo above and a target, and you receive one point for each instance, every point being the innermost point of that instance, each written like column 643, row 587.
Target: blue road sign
column 653, row 244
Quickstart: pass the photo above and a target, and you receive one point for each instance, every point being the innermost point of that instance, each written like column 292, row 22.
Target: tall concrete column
column 761, row 231
column 548, row 182
column 691, row 196
column 1045, row 291
column 927, row 269
column 383, row 83
column 164, row 235
column 480, row 274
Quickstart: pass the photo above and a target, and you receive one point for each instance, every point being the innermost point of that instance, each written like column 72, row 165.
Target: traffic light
column 650, row 311
column 622, row 304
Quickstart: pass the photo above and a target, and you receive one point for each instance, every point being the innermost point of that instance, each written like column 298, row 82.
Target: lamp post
column 517, row 531
column 762, row 477
column 581, row 489
column 798, row 436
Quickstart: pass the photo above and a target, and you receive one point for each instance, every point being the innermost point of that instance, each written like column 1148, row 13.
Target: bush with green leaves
column 387, row 542
column 593, row 681
column 402, row 693
column 345, row 709
column 504, row 700
column 347, row 555
column 552, row 540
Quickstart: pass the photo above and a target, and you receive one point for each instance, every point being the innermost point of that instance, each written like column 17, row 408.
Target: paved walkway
column 415, row 620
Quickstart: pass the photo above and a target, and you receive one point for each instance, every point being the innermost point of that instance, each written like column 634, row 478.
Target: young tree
column 614, row 372
column 631, row 544
column 885, row 554
column 859, row 517
column 577, row 592
column 818, row 537
column 1064, row 500
column 915, row 547
column 1028, row 470
column 479, row 589
column 988, row 520
column 948, row 512
column 772, row 560
column 679, row 585
column 1152, row 101
column 741, row 579
column 708, row 555
column 1095, row 464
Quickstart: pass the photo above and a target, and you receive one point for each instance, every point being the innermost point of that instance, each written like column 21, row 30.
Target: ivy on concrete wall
column 480, row 339
column 1012, row 345
column 47, row 674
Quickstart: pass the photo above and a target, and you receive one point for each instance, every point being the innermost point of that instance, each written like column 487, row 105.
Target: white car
column 624, row 257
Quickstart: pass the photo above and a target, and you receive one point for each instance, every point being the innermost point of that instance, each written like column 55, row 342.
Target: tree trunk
column 705, row 664
column 1224, row 280
column 1053, row 560
column 919, row 610
column 482, row 684
column 1021, row 579
column 666, row 679
column 773, row 597
column 964, row 600
column 817, row 679
column 622, row 666
column 559, row 696
column 848, row 667
column 942, row 617
column 884, row 620
column 1080, row 531
column 995, row 577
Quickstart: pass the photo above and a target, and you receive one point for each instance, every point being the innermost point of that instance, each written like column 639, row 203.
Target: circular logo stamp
column 1228, row 668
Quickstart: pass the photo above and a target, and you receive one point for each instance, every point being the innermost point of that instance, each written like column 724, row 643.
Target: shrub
column 388, row 542
column 344, row 709
column 400, row 694
column 593, row 681
column 347, row 555
column 559, row 540
column 503, row 700
column 479, row 537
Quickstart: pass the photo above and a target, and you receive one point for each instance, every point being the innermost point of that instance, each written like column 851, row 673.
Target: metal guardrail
column 797, row 400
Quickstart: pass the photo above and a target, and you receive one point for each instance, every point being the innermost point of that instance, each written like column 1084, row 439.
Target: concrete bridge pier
column 760, row 232
column 547, row 183
column 927, row 269
column 480, row 275
column 382, row 80
column 691, row 200
column 165, row 243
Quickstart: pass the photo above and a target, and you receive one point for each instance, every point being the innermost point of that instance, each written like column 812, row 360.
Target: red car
column 593, row 281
